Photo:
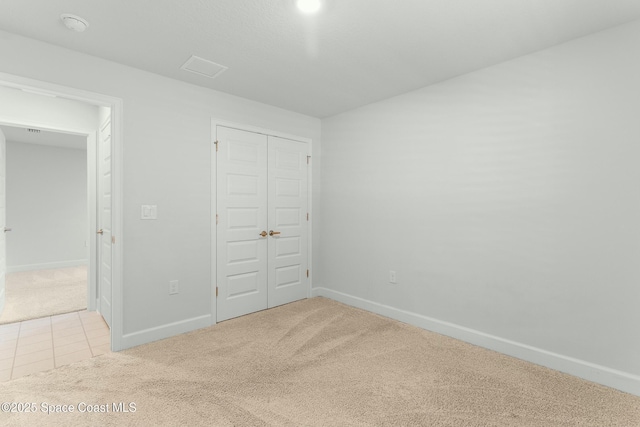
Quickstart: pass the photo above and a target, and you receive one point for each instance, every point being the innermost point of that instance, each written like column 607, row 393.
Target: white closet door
column 3, row 218
column 242, row 217
column 288, row 220
column 105, row 245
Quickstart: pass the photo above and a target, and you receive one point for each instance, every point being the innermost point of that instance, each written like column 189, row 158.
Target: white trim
column 116, row 106
column 165, row 331
column 620, row 380
column 46, row 127
column 97, row 201
column 268, row 132
column 214, row 222
column 47, row 265
column 260, row 130
column 310, row 221
column 117, row 206
column 92, row 172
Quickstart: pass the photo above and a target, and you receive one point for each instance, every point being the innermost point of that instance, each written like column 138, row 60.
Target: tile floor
column 50, row 342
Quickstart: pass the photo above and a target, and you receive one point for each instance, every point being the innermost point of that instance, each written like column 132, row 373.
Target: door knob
column 100, row 231
column 263, row 234
column 273, row 233
column 7, row 229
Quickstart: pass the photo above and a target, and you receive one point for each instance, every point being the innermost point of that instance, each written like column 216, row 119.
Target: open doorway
column 104, row 154
column 90, row 119
column 47, row 214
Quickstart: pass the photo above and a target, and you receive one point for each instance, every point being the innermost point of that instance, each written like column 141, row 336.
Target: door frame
column 116, row 105
column 214, row 200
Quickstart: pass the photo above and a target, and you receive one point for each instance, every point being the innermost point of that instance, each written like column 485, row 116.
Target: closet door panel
column 242, row 202
column 287, row 221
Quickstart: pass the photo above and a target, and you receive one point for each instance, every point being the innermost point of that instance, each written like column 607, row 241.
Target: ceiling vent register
column 203, row 67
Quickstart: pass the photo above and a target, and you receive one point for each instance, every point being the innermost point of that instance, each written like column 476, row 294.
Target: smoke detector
column 74, row 22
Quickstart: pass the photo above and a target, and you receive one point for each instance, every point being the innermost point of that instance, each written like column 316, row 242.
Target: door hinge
column 308, row 159
column 217, row 219
column 216, row 143
column 216, row 291
column 113, row 240
column 307, row 273
column 307, row 216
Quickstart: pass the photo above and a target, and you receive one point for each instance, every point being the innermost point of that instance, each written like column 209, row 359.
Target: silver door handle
column 7, row 229
column 100, row 231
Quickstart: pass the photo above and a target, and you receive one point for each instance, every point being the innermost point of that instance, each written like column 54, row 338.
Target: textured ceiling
column 352, row 53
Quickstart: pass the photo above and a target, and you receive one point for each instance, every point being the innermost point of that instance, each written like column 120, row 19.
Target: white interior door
column 287, row 221
column 3, row 218
column 242, row 222
column 262, row 222
column 104, row 222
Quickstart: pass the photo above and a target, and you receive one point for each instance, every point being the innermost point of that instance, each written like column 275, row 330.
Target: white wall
column 166, row 162
column 17, row 106
column 506, row 200
column 46, row 206
column 40, row 111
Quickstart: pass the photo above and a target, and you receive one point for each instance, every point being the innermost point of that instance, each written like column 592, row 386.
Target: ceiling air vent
column 30, row 130
column 204, row 67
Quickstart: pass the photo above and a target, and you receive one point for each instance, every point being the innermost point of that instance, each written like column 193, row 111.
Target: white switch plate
column 173, row 287
column 149, row 212
column 392, row 277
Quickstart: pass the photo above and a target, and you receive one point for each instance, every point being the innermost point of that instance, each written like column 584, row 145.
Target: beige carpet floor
column 40, row 293
column 317, row 363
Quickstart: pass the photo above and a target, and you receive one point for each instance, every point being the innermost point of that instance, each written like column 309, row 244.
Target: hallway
column 50, row 342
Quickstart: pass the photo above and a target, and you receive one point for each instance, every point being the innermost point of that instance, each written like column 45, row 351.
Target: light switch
column 149, row 212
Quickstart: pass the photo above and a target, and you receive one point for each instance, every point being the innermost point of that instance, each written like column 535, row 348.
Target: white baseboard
column 46, row 265
column 620, row 380
column 165, row 331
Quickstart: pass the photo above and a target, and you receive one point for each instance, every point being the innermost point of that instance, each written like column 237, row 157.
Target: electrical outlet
column 173, row 287
column 392, row 277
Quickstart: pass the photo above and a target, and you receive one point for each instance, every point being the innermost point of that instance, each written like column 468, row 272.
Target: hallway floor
column 50, row 342
column 35, row 294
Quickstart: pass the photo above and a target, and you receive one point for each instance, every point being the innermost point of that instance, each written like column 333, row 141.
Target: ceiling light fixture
column 74, row 23
column 309, row 6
